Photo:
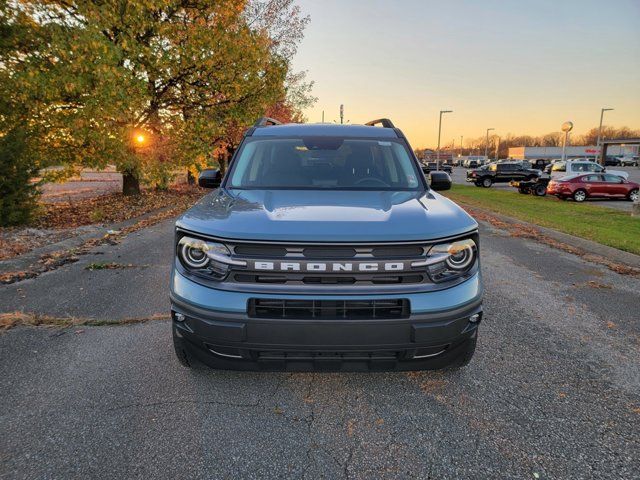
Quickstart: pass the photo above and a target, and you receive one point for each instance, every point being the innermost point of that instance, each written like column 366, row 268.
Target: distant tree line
column 146, row 85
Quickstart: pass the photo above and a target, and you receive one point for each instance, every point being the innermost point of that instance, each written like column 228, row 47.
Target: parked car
column 629, row 161
column 324, row 248
column 501, row 173
column 593, row 185
column 433, row 166
column 540, row 163
column 474, row 161
column 611, row 161
column 560, row 169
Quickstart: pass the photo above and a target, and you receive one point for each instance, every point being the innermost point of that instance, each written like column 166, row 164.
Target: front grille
column 327, row 253
column 329, row 309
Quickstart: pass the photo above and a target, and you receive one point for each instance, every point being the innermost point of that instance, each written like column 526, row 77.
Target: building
column 589, row 151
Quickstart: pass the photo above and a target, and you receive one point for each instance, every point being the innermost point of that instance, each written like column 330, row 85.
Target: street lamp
column 600, row 131
column 440, row 131
column 566, row 128
column 486, row 145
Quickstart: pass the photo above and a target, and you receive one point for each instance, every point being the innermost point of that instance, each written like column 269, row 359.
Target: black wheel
column 580, row 195
column 539, row 190
column 633, row 195
column 466, row 355
column 185, row 357
column 486, row 182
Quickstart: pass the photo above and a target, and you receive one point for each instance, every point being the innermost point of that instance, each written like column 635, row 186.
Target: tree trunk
column 130, row 184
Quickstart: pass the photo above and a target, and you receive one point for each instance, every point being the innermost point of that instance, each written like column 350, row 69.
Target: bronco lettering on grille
column 331, row 266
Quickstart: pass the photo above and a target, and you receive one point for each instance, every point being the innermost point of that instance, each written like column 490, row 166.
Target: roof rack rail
column 385, row 122
column 265, row 121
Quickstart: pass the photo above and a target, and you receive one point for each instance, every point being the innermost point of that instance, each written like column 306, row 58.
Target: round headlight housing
column 461, row 254
column 458, row 258
column 194, row 256
column 200, row 255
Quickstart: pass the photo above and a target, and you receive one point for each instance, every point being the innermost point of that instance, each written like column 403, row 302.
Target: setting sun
column 140, row 138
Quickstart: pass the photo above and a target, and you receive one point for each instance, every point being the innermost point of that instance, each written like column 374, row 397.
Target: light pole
column 341, row 113
column 486, row 145
column 440, row 131
column 600, row 131
column 497, row 148
column 460, row 146
column 566, row 128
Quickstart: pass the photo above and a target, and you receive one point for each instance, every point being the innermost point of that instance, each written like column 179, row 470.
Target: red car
column 593, row 185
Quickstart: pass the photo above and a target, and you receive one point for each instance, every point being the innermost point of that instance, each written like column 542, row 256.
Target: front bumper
column 217, row 329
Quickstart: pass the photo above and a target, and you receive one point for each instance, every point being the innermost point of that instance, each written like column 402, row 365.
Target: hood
column 326, row 216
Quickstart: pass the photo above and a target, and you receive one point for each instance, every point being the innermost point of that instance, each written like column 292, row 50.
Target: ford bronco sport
column 323, row 247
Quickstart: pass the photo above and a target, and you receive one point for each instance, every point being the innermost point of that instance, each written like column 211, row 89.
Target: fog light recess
column 474, row 318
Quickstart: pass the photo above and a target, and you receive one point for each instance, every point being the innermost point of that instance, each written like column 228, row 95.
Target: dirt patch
column 14, row 319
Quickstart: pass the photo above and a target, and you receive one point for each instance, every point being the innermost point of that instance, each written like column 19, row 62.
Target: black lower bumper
column 236, row 342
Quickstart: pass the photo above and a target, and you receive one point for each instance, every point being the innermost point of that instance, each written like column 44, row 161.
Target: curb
column 80, row 236
column 588, row 246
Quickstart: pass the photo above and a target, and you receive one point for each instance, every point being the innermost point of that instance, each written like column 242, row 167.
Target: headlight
column 206, row 257
column 451, row 260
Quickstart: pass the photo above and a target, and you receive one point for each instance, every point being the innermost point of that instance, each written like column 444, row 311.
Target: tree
column 146, row 85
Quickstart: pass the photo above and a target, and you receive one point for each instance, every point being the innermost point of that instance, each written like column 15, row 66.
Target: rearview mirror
column 440, row 181
column 210, row 178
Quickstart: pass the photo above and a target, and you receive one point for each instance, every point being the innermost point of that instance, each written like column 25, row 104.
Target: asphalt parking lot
column 553, row 391
column 459, row 176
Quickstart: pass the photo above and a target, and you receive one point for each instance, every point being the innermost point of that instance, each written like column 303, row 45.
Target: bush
column 17, row 194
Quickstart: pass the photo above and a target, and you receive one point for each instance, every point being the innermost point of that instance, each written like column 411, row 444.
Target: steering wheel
column 372, row 182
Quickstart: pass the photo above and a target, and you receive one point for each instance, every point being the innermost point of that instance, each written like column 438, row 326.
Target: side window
column 493, row 167
column 591, row 178
column 612, row 179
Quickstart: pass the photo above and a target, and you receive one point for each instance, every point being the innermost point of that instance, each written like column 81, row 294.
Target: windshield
column 324, row 163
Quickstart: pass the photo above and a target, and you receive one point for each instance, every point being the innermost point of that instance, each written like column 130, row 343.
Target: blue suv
column 323, row 247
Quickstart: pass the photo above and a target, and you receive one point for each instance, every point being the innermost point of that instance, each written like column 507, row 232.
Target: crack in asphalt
column 182, row 401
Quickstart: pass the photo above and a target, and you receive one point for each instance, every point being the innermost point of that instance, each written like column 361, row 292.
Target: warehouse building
column 589, row 151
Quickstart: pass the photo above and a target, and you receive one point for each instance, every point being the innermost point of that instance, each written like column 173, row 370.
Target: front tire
column 466, row 355
column 184, row 356
column 539, row 190
column 580, row 195
column 487, row 182
column 633, row 195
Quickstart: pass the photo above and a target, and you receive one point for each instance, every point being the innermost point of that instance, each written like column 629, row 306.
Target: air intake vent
column 329, row 309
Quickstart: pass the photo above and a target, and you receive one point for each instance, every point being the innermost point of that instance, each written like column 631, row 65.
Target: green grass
column 604, row 225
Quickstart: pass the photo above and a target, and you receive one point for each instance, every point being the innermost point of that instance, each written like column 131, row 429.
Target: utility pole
column 439, row 132
column 497, row 148
column 341, row 113
column 599, row 158
column 322, row 116
column 460, row 146
column 486, row 145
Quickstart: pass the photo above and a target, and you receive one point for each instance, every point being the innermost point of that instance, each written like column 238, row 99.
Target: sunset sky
column 521, row 67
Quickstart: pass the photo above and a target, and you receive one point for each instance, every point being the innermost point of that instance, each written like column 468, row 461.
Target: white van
column 560, row 169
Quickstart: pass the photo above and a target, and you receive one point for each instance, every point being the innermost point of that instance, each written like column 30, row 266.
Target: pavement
column 552, row 392
column 459, row 176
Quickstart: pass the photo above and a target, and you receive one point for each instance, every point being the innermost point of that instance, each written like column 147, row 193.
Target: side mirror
column 210, row 178
column 440, row 181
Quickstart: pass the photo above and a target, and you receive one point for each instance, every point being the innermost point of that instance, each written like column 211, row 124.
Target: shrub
column 18, row 194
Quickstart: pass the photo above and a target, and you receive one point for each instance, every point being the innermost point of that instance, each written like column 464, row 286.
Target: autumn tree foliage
column 147, row 85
